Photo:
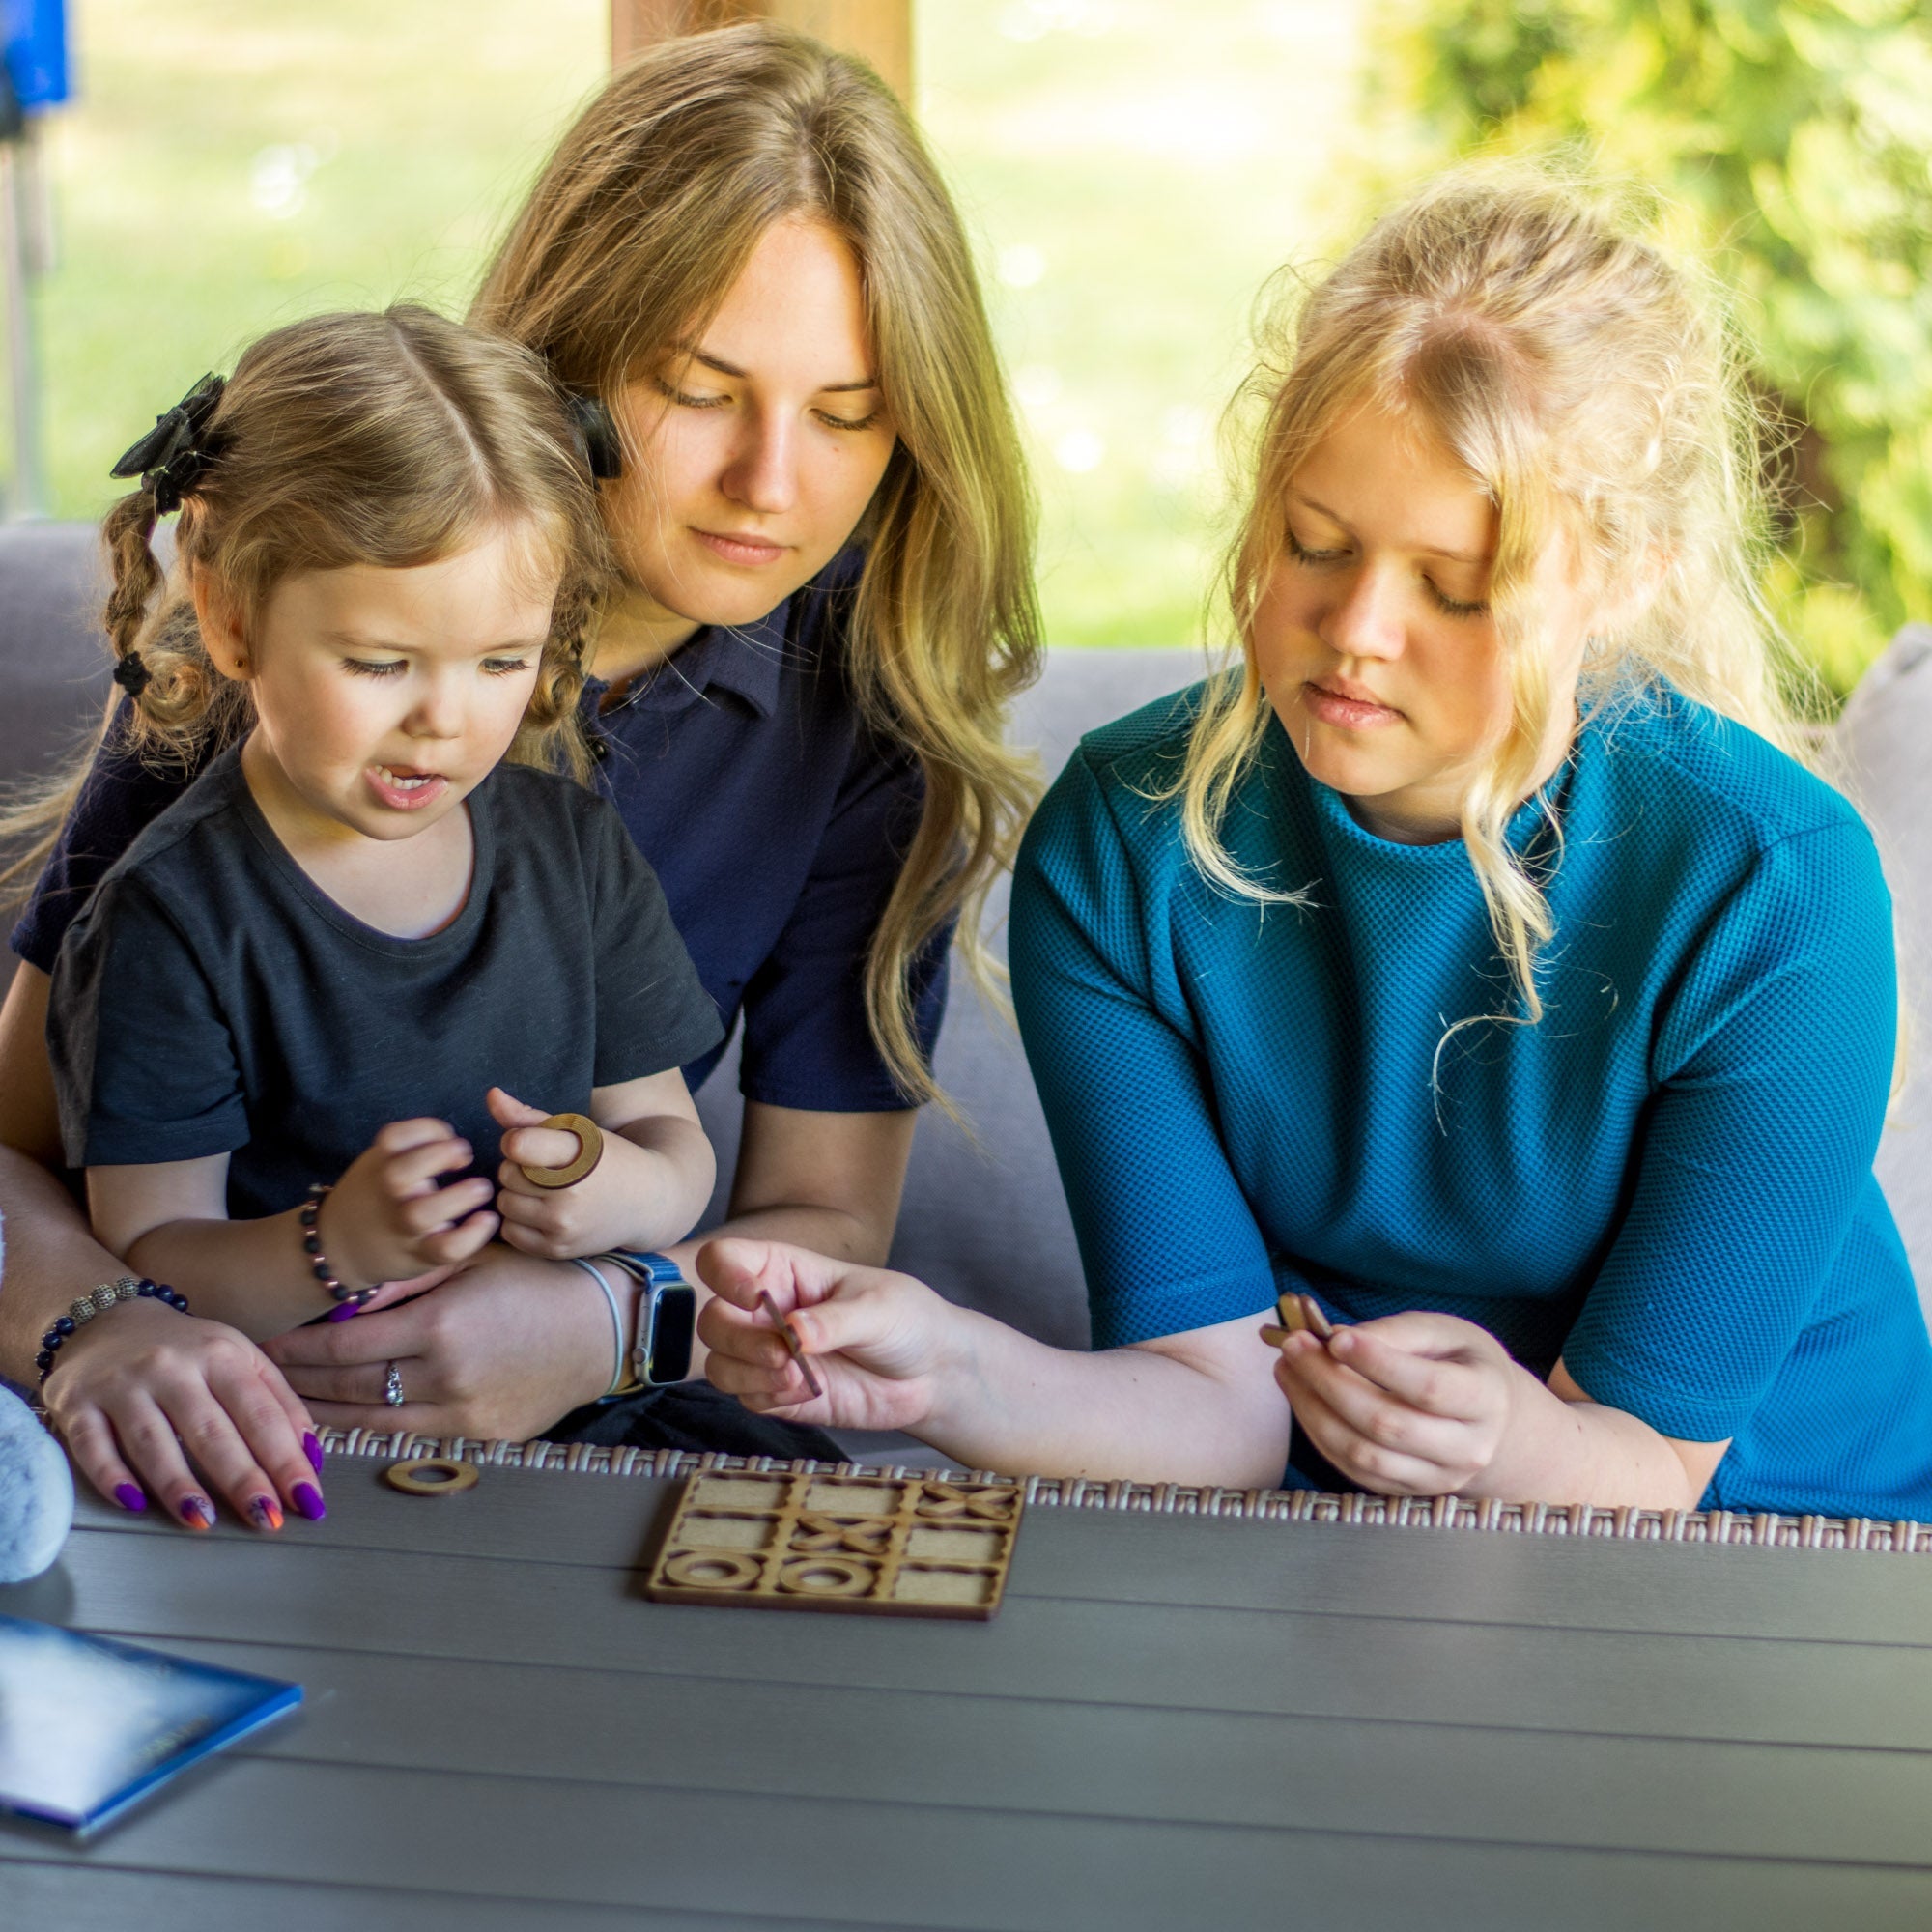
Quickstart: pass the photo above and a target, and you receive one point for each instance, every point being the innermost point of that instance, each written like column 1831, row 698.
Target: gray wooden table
column 1179, row 1719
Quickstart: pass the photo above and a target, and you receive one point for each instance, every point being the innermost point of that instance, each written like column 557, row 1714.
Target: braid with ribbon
column 170, row 459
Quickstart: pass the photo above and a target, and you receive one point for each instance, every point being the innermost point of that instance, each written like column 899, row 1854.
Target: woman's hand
column 501, row 1348
column 139, row 1389
column 1416, row 1404
column 387, row 1220
column 626, row 1201
column 876, row 1340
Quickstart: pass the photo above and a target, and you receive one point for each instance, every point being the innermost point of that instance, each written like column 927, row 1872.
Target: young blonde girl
column 1477, row 960
column 305, row 1028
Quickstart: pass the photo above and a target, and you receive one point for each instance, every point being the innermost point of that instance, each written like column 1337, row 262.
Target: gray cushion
column 53, row 658
column 1886, row 735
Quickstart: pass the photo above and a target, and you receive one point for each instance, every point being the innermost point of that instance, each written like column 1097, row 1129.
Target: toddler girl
column 376, row 942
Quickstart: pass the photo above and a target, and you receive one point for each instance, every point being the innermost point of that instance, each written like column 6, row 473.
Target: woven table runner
column 1631, row 1525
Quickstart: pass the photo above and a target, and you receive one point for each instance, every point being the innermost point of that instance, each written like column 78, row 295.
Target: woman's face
column 760, row 441
column 1373, row 637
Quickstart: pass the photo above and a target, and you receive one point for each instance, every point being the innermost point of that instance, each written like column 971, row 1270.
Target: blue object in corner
column 33, row 38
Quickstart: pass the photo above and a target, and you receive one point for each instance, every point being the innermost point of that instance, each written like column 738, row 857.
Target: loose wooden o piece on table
column 589, row 1151
column 432, row 1476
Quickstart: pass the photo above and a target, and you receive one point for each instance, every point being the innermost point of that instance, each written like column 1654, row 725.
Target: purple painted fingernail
column 197, row 1512
column 342, row 1312
column 312, row 1449
column 307, row 1499
column 265, row 1513
column 130, row 1496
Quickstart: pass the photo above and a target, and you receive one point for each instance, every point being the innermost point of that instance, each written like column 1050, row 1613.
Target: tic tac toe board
column 906, row 1546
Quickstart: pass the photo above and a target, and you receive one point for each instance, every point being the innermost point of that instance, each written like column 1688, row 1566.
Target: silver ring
column 392, row 1387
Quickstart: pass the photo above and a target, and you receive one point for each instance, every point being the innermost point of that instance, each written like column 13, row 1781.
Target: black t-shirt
column 210, row 998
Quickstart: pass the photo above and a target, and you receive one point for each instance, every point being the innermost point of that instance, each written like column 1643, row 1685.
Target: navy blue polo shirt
column 775, row 822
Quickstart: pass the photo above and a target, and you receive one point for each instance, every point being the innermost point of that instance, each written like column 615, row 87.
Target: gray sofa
column 983, row 1219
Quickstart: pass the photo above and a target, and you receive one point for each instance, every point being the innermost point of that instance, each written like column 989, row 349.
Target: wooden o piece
column 589, row 1151
column 713, row 1569
column 840, row 1577
column 1319, row 1322
column 1293, row 1315
column 432, row 1476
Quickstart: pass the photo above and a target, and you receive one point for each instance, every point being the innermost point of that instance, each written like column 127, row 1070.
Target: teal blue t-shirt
column 1666, row 1181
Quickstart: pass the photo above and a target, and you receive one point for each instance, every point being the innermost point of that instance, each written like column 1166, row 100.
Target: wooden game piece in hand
column 589, row 1151
column 784, row 1325
column 1297, row 1312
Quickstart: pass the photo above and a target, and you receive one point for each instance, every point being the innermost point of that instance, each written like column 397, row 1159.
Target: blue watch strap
column 667, row 1318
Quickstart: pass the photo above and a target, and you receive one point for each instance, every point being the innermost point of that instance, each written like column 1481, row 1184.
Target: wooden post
column 879, row 31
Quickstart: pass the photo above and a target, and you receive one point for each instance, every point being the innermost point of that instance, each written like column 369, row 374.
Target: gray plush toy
column 35, row 1490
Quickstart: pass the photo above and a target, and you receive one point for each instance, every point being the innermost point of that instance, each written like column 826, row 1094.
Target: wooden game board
column 906, row 1546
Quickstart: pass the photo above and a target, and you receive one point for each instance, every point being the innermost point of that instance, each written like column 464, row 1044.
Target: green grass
column 1159, row 162
column 230, row 166
column 421, row 124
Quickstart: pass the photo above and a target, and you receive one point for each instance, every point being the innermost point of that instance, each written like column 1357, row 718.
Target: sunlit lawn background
column 1132, row 171
column 229, row 166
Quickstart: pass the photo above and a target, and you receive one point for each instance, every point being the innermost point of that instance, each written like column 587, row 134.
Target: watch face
column 673, row 1320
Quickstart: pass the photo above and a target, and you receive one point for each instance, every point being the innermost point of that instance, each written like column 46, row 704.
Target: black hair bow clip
column 596, row 433
column 172, row 456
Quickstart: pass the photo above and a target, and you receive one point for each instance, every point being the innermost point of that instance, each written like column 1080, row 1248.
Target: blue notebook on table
column 88, row 1726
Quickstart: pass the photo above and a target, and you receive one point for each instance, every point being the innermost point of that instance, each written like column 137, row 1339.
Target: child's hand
column 619, row 1204
column 387, row 1220
column 877, row 1341
column 1416, row 1404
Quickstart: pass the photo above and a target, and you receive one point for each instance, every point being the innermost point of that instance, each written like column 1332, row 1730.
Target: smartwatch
column 666, row 1319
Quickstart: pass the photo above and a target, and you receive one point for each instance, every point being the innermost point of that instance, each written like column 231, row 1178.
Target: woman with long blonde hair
column 1475, row 974
column 743, row 264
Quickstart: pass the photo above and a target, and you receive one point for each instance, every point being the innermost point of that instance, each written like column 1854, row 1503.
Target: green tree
column 1795, row 137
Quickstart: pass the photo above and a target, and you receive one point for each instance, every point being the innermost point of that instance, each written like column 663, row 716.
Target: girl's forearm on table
column 1572, row 1450
column 1002, row 1401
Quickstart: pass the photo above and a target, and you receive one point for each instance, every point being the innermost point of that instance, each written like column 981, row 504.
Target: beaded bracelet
column 309, row 1215
column 128, row 1288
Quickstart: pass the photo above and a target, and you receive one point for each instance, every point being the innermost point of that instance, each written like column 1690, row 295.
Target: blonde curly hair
column 1591, row 389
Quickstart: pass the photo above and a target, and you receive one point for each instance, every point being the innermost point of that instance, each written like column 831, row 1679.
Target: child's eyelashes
column 1450, row 606
column 395, row 667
